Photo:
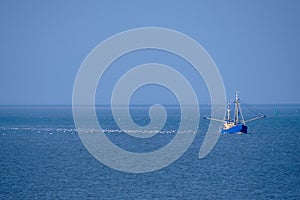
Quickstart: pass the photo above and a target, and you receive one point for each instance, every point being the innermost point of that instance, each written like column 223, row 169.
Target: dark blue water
column 42, row 157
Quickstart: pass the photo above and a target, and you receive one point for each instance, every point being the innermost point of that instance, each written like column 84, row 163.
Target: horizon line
column 138, row 104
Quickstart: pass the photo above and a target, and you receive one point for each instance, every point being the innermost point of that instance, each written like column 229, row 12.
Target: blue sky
column 255, row 45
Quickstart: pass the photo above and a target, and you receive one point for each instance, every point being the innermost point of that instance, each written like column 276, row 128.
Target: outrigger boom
column 255, row 118
column 213, row 119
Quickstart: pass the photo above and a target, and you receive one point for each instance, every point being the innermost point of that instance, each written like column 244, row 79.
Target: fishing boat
column 237, row 124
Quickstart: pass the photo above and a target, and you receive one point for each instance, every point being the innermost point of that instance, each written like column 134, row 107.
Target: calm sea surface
column 42, row 157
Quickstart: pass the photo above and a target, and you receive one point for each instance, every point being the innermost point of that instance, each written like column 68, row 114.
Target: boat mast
column 228, row 112
column 236, row 108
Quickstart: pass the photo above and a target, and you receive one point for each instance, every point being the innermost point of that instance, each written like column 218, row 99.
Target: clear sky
column 255, row 44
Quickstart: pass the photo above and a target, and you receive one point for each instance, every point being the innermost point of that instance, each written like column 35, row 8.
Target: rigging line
column 250, row 108
column 258, row 114
column 243, row 120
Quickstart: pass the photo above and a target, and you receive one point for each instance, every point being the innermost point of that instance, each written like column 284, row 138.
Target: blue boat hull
column 240, row 128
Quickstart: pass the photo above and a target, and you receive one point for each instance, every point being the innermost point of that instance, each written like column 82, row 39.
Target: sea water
column 42, row 157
